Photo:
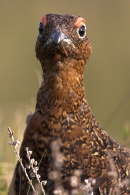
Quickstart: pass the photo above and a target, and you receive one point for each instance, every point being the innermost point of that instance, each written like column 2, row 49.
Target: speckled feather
column 63, row 115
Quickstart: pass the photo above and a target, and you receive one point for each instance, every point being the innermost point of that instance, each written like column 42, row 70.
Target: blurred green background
column 106, row 78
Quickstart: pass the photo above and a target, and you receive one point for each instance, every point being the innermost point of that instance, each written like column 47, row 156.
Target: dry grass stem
column 33, row 165
column 15, row 144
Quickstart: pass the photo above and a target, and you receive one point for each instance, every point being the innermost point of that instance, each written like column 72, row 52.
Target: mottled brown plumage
column 64, row 118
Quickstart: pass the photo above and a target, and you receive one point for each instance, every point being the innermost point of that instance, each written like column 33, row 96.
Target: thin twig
column 34, row 167
column 15, row 144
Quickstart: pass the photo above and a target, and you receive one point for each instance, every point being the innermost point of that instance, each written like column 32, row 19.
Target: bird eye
column 40, row 28
column 82, row 31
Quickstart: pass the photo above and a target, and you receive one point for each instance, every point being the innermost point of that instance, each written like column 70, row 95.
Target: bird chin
column 63, row 52
column 65, row 49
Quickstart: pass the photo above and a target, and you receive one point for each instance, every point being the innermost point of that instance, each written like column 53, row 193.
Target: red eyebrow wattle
column 44, row 20
column 80, row 21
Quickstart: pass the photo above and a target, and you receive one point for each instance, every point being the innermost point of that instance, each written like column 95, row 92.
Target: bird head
column 62, row 39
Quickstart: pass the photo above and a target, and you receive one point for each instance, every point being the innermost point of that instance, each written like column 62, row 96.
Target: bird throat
column 62, row 86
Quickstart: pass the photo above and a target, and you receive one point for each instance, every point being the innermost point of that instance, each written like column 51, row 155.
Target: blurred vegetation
column 107, row 75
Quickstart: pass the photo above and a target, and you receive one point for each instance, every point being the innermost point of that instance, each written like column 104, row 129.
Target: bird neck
column 62, row 86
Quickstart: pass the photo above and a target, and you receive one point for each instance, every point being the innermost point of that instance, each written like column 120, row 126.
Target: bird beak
column 58, row 36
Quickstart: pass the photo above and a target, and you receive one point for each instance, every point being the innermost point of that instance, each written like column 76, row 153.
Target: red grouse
column 62, row 133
